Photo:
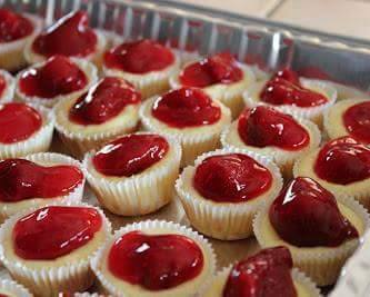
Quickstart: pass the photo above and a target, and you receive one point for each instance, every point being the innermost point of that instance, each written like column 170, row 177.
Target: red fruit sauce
column 139, row 57
column 221, row 68
column 356, row 119
column 69, row 36
column 55, row 231
column 59, row 76
column 104, row 101
column 266, row 274
column 130, row 154
column 307, row 215
column 343, row 161
column 18, row 122
column 231, row 178
column 21, row 179
column 155, row 262
column 264, row 126
column 186, row 107
column 2, row 85
column 284, row 88
column 13, row 26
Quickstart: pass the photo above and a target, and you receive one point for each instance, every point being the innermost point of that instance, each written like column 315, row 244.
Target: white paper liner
column 139, row 194
column 251, row 99
column 226, row 221
column 95, row 57
column 297, row 276
column 54, row 159
column 79, row 142
column 231, row 95
column 358, row 190
column 322, row 265
column 283, row 158
column 8, row 93
column 87, row 68
column 12, row 53
column 100, row 256
column 14, row 288
column 51, row 279
column 195, row 140
column 38, row 142
column 333, row 117
column 151, row 83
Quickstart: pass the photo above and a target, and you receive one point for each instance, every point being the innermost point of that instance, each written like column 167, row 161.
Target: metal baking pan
column 270, row 45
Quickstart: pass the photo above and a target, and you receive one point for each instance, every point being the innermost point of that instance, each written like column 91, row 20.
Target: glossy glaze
column 356, row 119
column 284, row 88
column 13, row 26
column 21, row 179
column 266, row 274
column 59, row 76
column 139, row 57
column 265, row 127
column 307, row 215
column 343, row 161
column 69, row 36
column 155, row 262
column 186, row 107
column 231, row 178
column 18, row 122
column 104, row 101
column 221, row 68
column 53, row 232
column 130, row 155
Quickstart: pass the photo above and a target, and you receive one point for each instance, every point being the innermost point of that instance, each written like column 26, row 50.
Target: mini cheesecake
column 342, row 166
column 49, row 249
column 221, row 76
column 70, row 36
column 6, row 86
column 223, row 191
column 108, row 109
column 304, row 98
column 16, row 31
column 10, row 288
column 155, row 258
column 273, row 134
column 270, row 272
column 134, row 174
column 320, row 230
column 56, row 79
column 38, row 180
column 191, row 116
column 349, row 118
column 24, row 129
column 145, row 63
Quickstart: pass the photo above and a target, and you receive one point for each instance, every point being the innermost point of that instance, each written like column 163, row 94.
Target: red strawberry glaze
column 130, row 154
column 18, row 122
column 186, row 107
column 104, row 101
column 285, row 89
column 13, row 26
column 55, row 231
column 2, row 295
column 266, row 274
column 139, row 57
column 2, row 85
column 221, row 68
column 231, row 178
column 307, row 215
column 155, row 262
column 356, row 119
column 264, row 126
column 21, row 179
column 69, row 36
column 59, row 76
column 343, row 161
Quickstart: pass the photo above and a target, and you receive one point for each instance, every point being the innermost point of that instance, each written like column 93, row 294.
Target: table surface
column 344, row 17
